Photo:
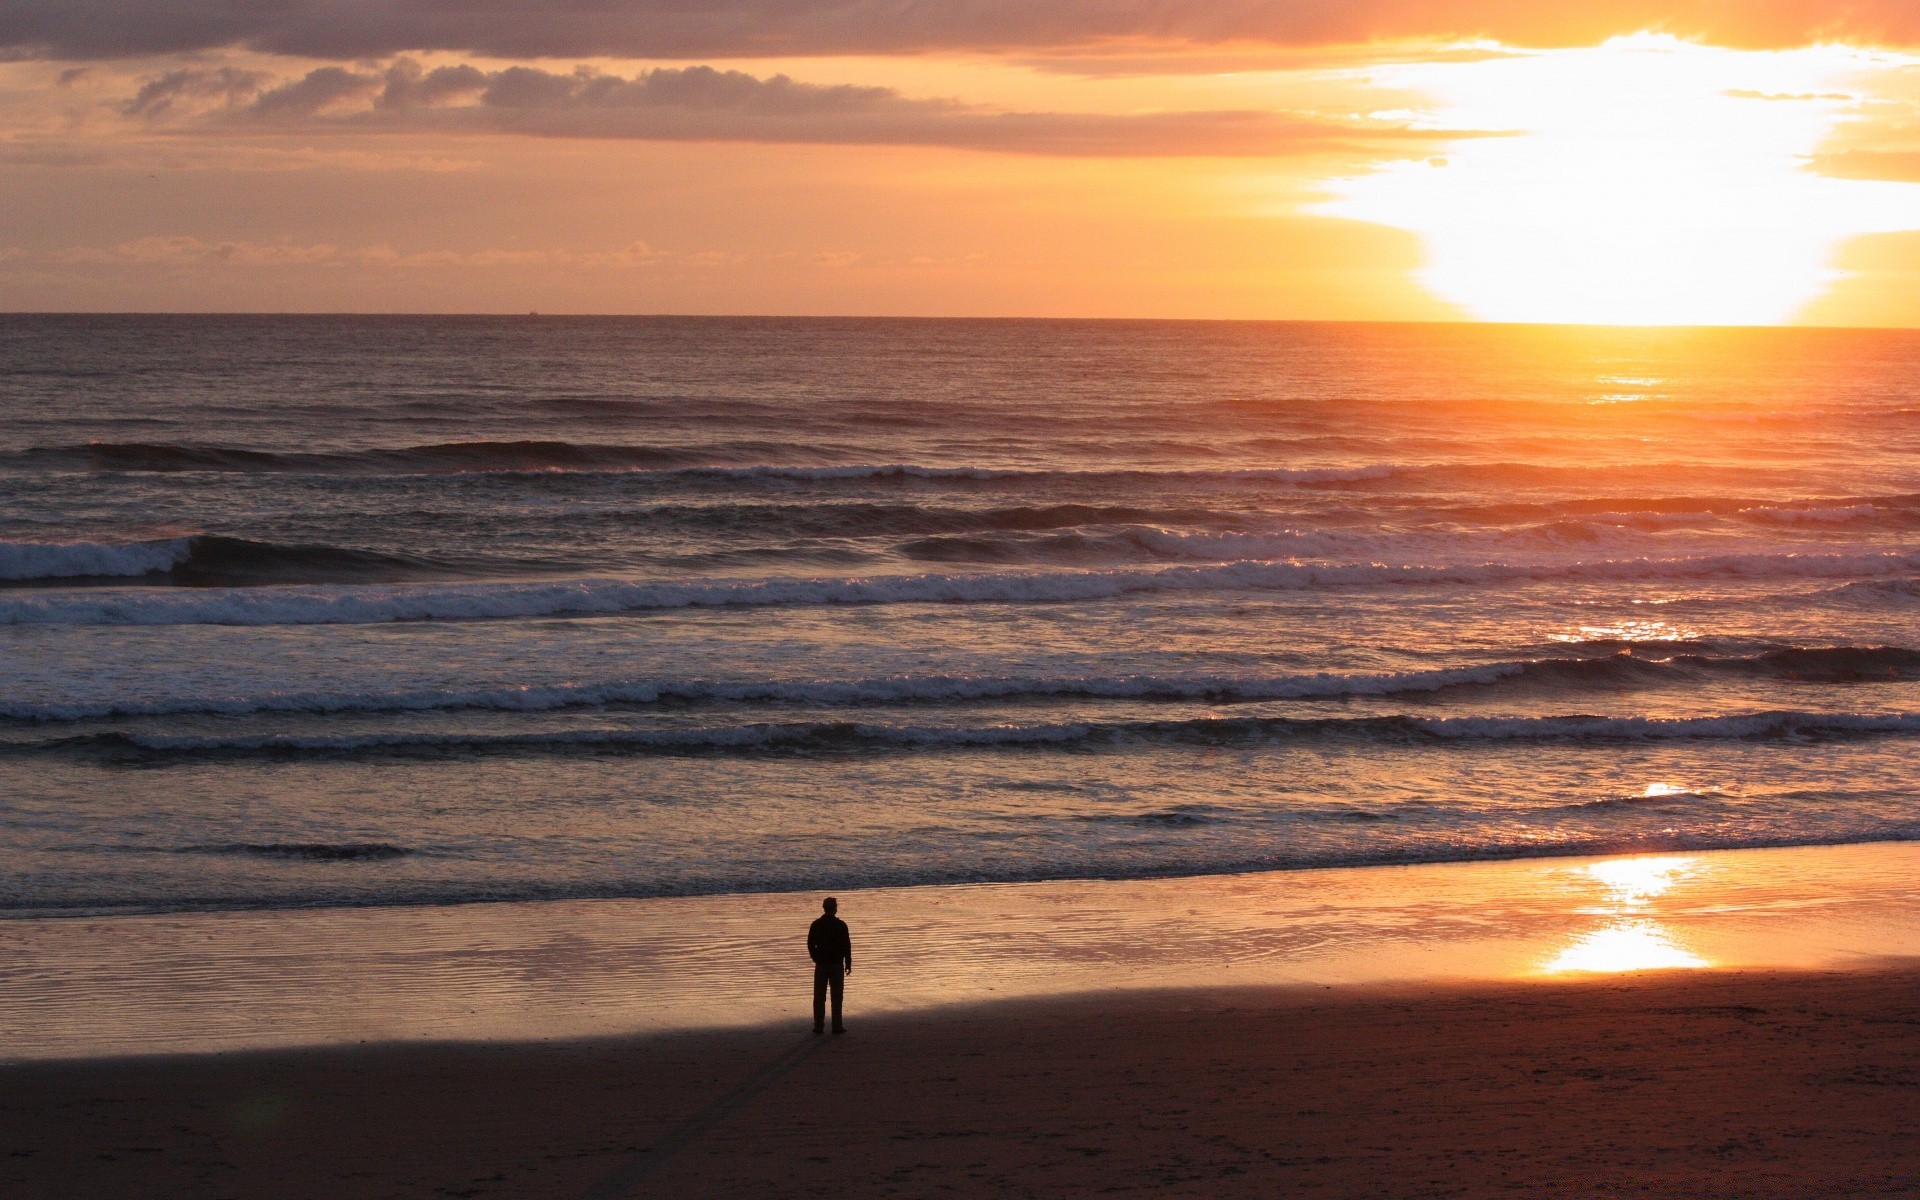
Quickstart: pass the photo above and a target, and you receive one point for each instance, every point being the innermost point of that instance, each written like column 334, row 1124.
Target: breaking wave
column 436, row 458
column 589, row 597
column 207, row 560
column 826, row 737
column 1564, row 675
column 307, row 851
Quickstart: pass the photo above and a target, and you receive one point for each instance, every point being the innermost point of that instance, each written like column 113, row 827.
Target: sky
column 1637, row 162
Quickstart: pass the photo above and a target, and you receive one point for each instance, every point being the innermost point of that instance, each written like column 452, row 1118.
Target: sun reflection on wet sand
column 206, row 982
column 1627, row 946
column 1631, row 939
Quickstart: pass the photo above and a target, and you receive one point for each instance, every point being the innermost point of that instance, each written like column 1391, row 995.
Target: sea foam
column 69, row 560
column 351, row 604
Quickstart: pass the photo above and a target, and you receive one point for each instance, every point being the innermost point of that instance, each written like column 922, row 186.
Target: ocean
column 310, row 611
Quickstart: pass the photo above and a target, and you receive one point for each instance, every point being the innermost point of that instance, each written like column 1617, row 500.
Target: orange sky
column 1719, row 162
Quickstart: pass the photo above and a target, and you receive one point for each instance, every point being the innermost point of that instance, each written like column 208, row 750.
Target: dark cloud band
column 704, row 104
column 346, row 29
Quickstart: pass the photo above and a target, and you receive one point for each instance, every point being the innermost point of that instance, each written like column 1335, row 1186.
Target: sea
column 314, row 611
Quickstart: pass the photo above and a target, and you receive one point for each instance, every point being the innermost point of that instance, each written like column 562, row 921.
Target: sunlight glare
column 1646, row 181
column 1630, row 940
column 1633, row 882
column 1629, row 946
column 1628, row 631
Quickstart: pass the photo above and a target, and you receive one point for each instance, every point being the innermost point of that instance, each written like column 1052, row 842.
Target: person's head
column 830, row 905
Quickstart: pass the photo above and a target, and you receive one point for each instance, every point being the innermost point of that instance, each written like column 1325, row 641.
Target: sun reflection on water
column 1628, row 631
column 1631, row 939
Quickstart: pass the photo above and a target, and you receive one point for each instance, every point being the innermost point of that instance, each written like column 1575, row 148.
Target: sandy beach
column 1731, row 1024
column 1665, row 1084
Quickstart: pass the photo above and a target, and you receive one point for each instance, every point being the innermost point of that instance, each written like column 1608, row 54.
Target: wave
column 721, row 461
column 83, row 560
column 1337, row 477
column 913, row 471
column 1562, row 675
column 842, row 737
column 306, row 851
column 1036, row 538
column 206, row 560
column 747, row 462
column 593, row 597
column 1675, row 798
column 1145, row 545
column 900, row 689
column 434, row 458
column 865, row 519
column 1093, row 534
column 1836, row 514
column 1192, row 845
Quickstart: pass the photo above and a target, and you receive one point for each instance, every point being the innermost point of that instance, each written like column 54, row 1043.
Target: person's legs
column 839, row 992
column 820, row 977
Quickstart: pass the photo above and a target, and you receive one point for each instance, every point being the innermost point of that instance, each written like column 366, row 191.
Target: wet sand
column 100, row 987
column 1683, row 1083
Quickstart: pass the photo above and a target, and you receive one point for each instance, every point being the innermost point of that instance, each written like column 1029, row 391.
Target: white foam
column 1742, row 725
column 1802, row 516
column 61, row 560
column 370, row 604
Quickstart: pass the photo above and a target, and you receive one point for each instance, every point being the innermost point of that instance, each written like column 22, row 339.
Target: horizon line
column 536, row 314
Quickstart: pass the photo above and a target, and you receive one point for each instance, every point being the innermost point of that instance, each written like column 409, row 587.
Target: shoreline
column 136, row 910
column 94, row 988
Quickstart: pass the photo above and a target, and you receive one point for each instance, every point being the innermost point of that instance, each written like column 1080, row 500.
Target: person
column 830, row 947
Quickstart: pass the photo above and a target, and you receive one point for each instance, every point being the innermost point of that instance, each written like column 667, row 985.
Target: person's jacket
column 829, row 944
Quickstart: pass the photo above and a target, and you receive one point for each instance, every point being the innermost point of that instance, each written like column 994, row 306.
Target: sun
column 1646, row 181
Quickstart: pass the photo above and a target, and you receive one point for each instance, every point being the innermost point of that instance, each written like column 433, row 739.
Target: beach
column 1288, row 600
column 1669, row 1084
column 1733, row 1023
column 1252, row 758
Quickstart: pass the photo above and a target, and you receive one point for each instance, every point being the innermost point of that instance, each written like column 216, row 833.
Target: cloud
column 350, row 29
column 1136, row 60
column 311, row 93
column 1791, row 97
column 635, row 254
column 164, row 94
column 1895, row 166
column 183, row 250
column 705, row 104
column 191, row 251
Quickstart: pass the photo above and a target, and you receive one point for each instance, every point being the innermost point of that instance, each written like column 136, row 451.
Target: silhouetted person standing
column 831, row 948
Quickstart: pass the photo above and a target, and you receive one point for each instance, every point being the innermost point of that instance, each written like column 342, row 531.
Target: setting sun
column 1645, row 181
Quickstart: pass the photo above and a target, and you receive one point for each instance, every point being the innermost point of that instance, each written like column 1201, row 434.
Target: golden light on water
column 1626, row 947
column 1635, row 882
column 1631, row 939
column 1628, row 631
column 1645, row 181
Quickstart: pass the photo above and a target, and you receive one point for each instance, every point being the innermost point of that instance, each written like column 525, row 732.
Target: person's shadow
column 620, row 1182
